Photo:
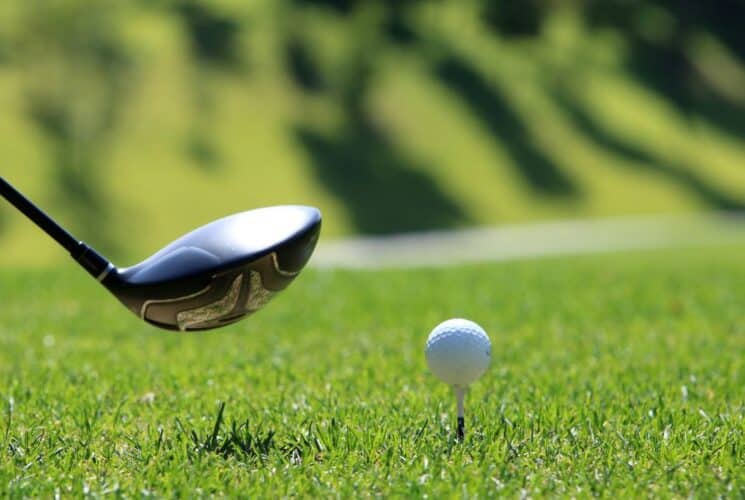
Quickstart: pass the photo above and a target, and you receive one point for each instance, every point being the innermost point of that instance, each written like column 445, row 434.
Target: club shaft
column 46, row 223
column 93, row 262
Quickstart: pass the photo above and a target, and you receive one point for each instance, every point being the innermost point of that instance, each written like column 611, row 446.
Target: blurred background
column 134, row 121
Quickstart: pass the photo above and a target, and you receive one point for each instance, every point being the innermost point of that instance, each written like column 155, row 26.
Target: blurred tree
column 383, row 189
column 4, row 59
column 343, row 7
column 213, row 36
column 494, row 110
column 636, row 157
column 671, row 22
column 214, row 44
column 301, row 64
column 76, row 73
column 4, row 50
column 511, row 19
column 660, row 35
column 396, row 24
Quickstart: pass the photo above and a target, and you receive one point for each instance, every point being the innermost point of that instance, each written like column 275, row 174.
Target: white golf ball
column 458, row 351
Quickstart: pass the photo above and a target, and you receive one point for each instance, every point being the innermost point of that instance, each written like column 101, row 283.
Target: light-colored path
column 443, row 248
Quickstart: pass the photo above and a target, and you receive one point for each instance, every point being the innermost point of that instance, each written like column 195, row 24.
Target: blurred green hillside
column 134, row 121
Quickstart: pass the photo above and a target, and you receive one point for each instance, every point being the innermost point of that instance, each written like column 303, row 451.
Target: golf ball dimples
column 458, row 351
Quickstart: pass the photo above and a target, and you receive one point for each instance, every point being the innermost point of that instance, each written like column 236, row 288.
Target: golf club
column 210, row 277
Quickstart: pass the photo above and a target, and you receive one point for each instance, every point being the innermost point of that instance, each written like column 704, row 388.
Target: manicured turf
column 617, row 375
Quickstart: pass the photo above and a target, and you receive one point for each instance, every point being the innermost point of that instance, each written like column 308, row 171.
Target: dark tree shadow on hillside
column 668, row 73
column 301, row 64
column 340, row 7
column 77, row 165
column 201, row 145
column 382, row 190
column 513, row 19
column 504, row 123
column 213, row 36
column 397, row 26
column 77, row 177
column 214, row 44
column 663, row 64
column 672, row 20
column 641, row 160
column 78, row 189
column 659, row 35
column 75, row 96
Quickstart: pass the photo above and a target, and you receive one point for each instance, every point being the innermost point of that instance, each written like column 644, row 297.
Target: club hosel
column 93, row 262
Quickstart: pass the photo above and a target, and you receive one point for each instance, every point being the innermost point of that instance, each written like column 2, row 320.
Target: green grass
column 617, row 375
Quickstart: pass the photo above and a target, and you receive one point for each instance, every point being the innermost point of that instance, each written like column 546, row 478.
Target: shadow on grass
column 382, row 190
column 214, row 37
column 203, row 151
column 665, row 64
column 214, row 40
column 77, row 177
column 495, row 112
column 669, row 74
column 78, row 189
column 301, row 64
column 638, row 158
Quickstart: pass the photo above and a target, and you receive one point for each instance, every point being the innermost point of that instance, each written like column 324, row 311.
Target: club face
column 221, row 272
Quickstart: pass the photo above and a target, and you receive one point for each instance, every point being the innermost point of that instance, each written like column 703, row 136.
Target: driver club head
column 221, row 272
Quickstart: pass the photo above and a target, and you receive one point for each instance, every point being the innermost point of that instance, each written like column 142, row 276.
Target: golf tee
column 460, row 393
